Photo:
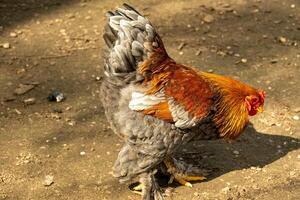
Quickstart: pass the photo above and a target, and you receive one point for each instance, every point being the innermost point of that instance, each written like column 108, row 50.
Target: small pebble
column 244, row 60
column 48, row 180
column 236, row 152
column 68, row 108
column 296, row 117
column 6, row 45
column 29, row 101
column 198, row 52
column 208, row 19
column 277, row 21
column 22, row 70
column 181, row 45
column 82, row 153
column 13, row 34
column 98, row 78
column 283, row 40
column 18, row 112
column 71, row 123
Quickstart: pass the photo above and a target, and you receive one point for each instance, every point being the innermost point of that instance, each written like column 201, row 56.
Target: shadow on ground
column 17, row 11
column 252, row 149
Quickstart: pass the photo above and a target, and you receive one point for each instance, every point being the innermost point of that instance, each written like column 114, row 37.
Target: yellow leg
column 180, row 178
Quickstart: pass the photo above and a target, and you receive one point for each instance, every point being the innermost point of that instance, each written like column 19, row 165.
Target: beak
column 260, row 109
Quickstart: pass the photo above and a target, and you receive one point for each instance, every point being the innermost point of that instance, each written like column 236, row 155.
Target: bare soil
column 56, row 45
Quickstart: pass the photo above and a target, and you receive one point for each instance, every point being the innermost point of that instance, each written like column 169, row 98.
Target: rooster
column 157, row 105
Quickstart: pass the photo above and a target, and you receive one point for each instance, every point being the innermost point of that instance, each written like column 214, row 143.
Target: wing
column 183, row 97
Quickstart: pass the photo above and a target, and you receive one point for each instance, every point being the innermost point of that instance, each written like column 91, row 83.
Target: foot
column 184, row 179
column 179, row 177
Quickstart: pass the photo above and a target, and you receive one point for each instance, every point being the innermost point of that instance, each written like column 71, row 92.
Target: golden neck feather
column 231, row 116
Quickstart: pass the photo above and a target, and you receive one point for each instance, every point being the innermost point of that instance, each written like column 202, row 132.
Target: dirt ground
column 65, row 150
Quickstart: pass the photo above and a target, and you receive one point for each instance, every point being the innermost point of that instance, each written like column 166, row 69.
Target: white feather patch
column 140, row 101
column 181, row 117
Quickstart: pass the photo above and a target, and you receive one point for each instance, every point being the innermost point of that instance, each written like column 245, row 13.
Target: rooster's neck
column 231, row 115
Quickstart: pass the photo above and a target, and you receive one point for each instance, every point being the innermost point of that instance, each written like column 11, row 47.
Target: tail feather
column 130, row 39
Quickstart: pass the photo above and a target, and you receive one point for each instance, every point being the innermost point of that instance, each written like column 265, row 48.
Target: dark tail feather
column 130, row 39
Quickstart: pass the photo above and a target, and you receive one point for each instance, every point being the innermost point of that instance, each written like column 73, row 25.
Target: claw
column 183, row 181
column 180, row 178
column 139, row 187
column 188, row 184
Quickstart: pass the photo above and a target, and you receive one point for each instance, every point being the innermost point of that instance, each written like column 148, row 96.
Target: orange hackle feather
column 232, row 115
